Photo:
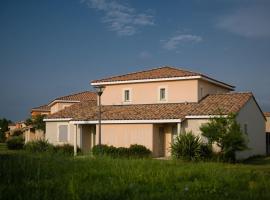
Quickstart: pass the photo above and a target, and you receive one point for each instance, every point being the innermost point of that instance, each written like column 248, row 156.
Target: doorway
column 161, row 141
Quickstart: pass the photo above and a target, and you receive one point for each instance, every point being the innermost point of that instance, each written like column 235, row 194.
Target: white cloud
column 252, row 22
column 122, row 19
column 175, row 41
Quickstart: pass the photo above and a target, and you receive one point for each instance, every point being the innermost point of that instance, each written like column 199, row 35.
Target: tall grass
column 41, row 176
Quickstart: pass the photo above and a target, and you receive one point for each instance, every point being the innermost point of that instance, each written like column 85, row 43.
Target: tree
column 3, row 128
column 37, row 122
column 227, row 134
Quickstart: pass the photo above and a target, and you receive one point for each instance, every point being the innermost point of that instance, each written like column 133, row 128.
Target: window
column 201, row 92
column 127, row 95
column 162, row 94
column 63, row 133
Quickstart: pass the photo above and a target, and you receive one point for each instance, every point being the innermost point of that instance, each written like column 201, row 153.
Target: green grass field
column 41, row 176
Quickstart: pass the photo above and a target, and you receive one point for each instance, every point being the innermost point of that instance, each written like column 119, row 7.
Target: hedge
column 134, row 151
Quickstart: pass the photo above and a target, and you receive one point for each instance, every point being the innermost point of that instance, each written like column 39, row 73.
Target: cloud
column 173, row 42
column 251, row 22
column 122, row 19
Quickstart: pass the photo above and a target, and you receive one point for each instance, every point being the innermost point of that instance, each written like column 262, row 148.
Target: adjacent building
column 54, row 106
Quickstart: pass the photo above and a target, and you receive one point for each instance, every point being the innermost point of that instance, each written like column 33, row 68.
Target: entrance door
column 161, row 143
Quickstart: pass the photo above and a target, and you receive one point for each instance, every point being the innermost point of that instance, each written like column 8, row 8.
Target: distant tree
column 28, row 121
column 226, row 133
column 3, row 128
column 37, row 122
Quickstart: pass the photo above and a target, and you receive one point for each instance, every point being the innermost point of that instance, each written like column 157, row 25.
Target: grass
column 41, row 176
column 3, row 146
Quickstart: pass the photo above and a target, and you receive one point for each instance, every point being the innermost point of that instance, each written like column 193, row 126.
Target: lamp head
column 99, row 89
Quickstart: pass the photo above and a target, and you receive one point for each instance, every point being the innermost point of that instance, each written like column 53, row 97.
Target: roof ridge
column 73, row 94
column 148, row 70
column 130, row 73
column 230, row 93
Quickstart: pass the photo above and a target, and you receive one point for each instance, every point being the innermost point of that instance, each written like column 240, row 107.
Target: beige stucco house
column 54, row 106
column 152, row 107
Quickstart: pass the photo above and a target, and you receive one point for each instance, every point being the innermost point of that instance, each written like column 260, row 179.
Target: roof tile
column 210, row 105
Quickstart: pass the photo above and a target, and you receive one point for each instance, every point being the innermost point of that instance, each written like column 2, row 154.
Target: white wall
column 52, row 132
column 251, row 115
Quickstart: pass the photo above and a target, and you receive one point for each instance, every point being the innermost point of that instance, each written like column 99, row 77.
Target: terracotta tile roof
column 41, row 108
column 156, row 73
column 82, row 96
column 266, row 114
column 221, row 104
column 161, row 72
column 210, row 105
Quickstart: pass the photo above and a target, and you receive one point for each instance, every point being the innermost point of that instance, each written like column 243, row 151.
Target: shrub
column 122, row 152
column 135, row 151
column 38, row 146
column 65, row 149
column 227, row 134
column 186, row 146
column 17, row 133
column 15, row 142
column 206, row 152
column 100, row 149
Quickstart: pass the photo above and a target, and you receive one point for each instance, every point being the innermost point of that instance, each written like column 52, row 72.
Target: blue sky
column 56, row 47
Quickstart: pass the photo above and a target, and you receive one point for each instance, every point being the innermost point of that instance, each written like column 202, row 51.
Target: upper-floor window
column 162, row 94
column 127, row 95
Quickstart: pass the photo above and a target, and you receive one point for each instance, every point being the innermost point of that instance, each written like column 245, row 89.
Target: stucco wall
column 178, row 91
column 33, row 136
column 52, row 133
column 194, row 126
column 35, row 113
column 205, row 88
column 59, row 106
column 251, row 115
column 267, row 126
column 123, row 135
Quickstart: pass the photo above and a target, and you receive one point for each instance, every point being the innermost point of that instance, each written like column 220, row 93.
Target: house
column 63, row 102
column 151, row 107
column 40, row 110
column 267, row 130
column 60, row 103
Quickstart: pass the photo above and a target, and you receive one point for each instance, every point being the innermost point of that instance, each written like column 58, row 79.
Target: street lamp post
column 99, row 90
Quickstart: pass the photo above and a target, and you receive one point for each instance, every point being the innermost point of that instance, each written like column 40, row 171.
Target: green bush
column 15, row 142
column 101, row 149
column 134, row 151
column 137, row 150
column 17, row 133
column 226, row 132
column 38, row 146
column 65, row 149
column 186, row 146
column 206, row 152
